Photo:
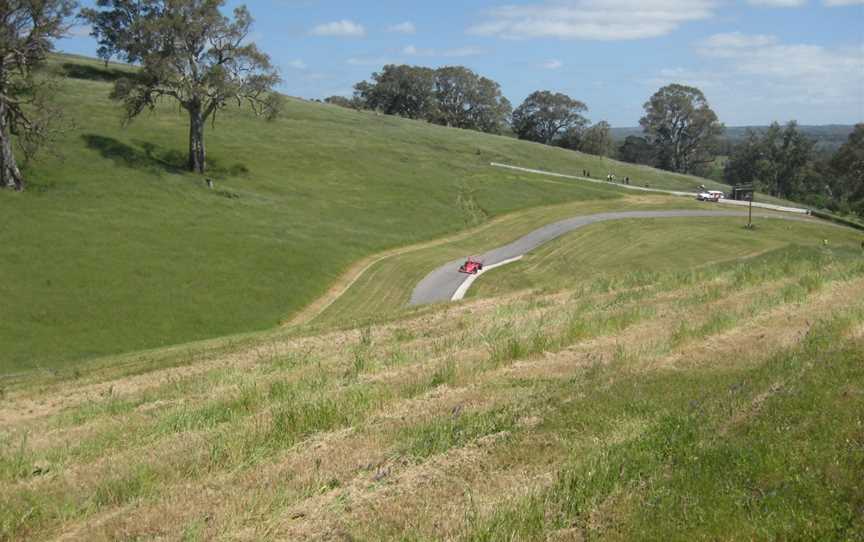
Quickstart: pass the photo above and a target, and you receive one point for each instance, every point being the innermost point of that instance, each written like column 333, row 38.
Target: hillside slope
column 724, row 402
column 115, row 248
column 646, row 247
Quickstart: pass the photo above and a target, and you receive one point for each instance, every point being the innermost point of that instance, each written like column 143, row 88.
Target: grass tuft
column 456, row 430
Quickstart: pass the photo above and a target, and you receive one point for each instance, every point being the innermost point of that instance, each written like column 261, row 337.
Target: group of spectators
column 610, row 178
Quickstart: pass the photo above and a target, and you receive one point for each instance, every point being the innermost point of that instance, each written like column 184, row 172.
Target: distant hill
column 829, row 136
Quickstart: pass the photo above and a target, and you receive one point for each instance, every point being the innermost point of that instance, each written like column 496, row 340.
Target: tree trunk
column 10, row 175
column 678, row 159
column 197, row 151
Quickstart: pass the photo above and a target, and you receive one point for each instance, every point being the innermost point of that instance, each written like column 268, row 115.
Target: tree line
column 680, row 132
column 458, row 97
column 679, row 125
column 450, row 96
column 784, row 162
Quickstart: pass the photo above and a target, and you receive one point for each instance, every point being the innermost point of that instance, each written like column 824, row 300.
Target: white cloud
column 297, row 64
column 460, row 52
column 344, row 28
column 733, row 43
column 757, row 78
column 777, row 3
column 799, row 3
column 552, row 64
column 406, row 27
column 762, row 55
column 737, row 40
column 592, row 19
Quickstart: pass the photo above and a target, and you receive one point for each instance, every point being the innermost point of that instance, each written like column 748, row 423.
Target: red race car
column 471, row 266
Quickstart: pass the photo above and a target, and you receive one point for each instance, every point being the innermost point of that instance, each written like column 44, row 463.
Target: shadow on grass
column 178, row 160
column 94, row 73
column 147, row 156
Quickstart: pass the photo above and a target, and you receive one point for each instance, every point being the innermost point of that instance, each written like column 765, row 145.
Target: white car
column 710, row 195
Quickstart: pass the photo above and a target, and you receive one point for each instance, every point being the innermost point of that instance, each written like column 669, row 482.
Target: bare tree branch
column 28, row 29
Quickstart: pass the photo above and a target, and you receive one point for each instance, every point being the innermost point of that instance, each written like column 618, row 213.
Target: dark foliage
column 28, row 115
column 550, row 118
column 450, row 96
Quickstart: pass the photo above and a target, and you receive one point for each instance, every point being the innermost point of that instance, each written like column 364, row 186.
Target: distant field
column 114, row 248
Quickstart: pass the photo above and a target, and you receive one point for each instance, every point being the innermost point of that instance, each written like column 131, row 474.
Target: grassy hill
column 115, row 248
column 718, row 402
column 645, row 248
column 640, row 379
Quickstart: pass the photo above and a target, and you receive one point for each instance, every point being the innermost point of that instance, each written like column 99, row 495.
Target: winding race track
column 447, row 284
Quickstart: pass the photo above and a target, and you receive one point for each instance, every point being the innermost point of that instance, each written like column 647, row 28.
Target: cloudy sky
column 756, row 60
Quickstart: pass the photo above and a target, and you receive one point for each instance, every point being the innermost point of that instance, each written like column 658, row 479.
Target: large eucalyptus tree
column 188, row 52
column 546, row 117
column 681, row 125
column 28, row 29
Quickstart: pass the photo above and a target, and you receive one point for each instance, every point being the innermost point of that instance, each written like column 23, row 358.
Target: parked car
column 710, row 195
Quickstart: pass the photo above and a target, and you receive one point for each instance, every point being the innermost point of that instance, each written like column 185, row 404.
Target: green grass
column 632, row 247
column 385, row 288
column 114, row 248
column 788, row 466
column 608, row 430
column 456, row 430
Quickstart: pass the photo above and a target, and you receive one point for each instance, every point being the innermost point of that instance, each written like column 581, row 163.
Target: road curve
column 443, row 283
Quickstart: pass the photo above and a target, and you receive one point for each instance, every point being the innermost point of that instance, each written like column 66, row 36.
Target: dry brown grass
column 359, row 479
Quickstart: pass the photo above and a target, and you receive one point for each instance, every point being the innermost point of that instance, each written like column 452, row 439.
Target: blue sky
column 756, row 60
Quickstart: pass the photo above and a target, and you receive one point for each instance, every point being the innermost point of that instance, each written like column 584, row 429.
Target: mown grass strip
column 781, row 472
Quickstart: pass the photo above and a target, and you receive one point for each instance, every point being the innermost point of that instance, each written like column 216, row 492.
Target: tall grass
column 626, row 436
column 786, row 472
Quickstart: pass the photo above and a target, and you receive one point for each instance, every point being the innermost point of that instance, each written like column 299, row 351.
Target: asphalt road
column 690, row 194
column 442, row 283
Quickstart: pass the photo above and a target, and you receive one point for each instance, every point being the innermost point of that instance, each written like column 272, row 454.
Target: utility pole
column 750, row 213
column 748, row 192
